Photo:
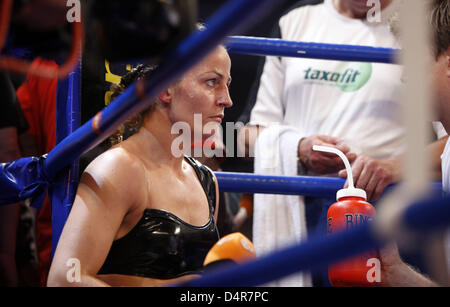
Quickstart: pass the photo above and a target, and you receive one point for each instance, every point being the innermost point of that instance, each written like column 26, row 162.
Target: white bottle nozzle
column 351, row 190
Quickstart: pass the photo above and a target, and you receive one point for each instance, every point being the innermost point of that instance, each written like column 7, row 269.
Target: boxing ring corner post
column 68, row 118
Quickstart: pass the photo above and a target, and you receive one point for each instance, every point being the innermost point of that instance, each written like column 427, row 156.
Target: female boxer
column 142, row 215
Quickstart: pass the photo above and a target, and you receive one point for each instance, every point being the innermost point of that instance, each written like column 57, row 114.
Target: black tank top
column 161, row 245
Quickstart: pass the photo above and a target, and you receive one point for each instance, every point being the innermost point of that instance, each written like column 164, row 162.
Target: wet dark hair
column 132, row 125
column 440, row 22
column 438, row 15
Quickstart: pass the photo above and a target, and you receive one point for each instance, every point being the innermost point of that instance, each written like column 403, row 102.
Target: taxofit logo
column 348, row 76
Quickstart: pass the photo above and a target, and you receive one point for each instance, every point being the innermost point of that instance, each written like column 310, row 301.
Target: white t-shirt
column 358, row 102
column 439, row 129
column 445, row 167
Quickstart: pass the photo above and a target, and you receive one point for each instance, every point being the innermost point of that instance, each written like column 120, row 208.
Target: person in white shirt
column 348, row 105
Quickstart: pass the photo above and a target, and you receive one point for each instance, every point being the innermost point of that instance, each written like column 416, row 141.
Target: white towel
column 278, row 220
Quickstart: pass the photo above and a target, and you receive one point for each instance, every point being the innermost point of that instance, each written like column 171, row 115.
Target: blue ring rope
column 278, row 47
column 299, row 185
column 421, row 217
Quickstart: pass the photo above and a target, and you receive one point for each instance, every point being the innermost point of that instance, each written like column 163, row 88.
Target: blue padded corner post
column 68, row 118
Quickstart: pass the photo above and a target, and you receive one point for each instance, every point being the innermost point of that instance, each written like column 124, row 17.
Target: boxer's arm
column 106, row 193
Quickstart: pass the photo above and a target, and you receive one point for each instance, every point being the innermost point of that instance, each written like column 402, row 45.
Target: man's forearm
column 402, row 275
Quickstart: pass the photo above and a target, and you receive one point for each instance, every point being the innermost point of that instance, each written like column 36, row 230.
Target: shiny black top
column 161, row 245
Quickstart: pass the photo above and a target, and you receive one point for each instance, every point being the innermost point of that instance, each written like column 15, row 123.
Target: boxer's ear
column 166, row 96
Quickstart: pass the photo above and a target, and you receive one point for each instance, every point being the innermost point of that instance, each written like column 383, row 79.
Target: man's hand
column 322, row 162
column 373, row 175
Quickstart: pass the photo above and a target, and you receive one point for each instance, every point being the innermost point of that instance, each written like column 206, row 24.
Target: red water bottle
column 351, row 210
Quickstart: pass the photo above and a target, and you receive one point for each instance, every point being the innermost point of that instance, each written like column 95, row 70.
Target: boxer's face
column 203, row 91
